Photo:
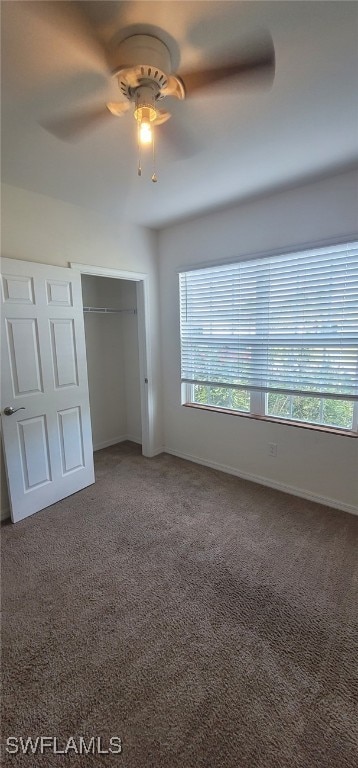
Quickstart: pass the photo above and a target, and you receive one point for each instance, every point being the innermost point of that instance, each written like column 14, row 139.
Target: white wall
column 42, row 229
column 314, row 464
column 112, row 360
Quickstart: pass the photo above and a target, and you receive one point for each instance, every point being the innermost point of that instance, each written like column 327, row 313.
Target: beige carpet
column 207, row 621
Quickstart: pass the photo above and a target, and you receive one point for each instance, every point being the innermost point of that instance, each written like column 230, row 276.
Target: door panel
column 59, row 293
column 23, row 345
column 34, row 448
column 18, row 290
column 48, row 443
column 71, row 435
column 64, row 352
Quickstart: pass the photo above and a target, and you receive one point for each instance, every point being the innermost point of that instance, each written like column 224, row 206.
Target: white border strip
column 122, row 274
column 334, row 503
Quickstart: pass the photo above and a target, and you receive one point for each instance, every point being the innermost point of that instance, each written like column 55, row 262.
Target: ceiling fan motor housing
column 139, row 60
column 130, row 80
column 144, row 60
column 139, row 49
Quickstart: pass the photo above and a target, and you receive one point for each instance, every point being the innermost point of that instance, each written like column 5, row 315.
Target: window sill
column 275, row 420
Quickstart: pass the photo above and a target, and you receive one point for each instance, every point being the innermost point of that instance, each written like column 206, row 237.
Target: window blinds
column 285, row 323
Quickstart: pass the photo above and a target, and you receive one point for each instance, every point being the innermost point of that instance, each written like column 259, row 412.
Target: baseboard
column 115, row 440
column 328, row 502
column 334, row 503
column 4, row 513
column 134, row 439
column 157, row 452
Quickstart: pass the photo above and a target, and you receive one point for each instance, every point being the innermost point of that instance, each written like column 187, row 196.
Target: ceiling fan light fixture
column 145, row 108
column 145, row 113
column 145, row 132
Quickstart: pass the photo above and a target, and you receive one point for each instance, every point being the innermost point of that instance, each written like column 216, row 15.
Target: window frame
column 258, row 411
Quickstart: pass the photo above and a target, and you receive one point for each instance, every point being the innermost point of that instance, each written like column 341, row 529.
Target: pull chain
column 154, row 175
column 139, row 146
column 139, row 152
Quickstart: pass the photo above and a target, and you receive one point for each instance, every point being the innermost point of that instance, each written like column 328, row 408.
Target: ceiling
column 232, row 143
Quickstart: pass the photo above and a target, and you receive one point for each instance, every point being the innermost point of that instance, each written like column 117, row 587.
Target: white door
column 45, row 406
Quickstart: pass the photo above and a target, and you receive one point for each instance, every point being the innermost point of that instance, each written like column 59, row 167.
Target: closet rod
column 109, row 310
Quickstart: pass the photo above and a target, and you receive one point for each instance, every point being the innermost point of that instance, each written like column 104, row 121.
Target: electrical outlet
column 272, row 449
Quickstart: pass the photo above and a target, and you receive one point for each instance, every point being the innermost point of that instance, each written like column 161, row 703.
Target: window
column 275, row 336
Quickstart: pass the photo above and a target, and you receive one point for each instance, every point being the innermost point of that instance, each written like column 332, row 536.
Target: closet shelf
column 110, row 311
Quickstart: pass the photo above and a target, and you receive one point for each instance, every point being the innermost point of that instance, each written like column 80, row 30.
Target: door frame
column 145, row 355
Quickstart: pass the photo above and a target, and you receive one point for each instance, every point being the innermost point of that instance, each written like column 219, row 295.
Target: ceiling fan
column 142, row 66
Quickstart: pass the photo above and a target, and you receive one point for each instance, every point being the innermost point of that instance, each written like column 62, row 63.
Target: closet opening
column 117, row 351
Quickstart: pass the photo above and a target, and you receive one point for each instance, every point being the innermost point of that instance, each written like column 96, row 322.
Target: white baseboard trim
column 134, row 439
column 157, row 452
column 115, row 440
column 107, row 443
column 4, row 513
column 336, row 504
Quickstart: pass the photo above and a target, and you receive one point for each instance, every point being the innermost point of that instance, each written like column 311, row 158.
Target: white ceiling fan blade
column 71, row 126
column 162, row 117
column 253, row 65
column 71, row 25
column 174, row 87
column 118, row 108
column 132, row 76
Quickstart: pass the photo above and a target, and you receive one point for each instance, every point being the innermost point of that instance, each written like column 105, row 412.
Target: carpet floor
column 206, row 621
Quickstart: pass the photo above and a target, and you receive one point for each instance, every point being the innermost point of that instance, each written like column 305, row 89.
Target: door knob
column 10, row 410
